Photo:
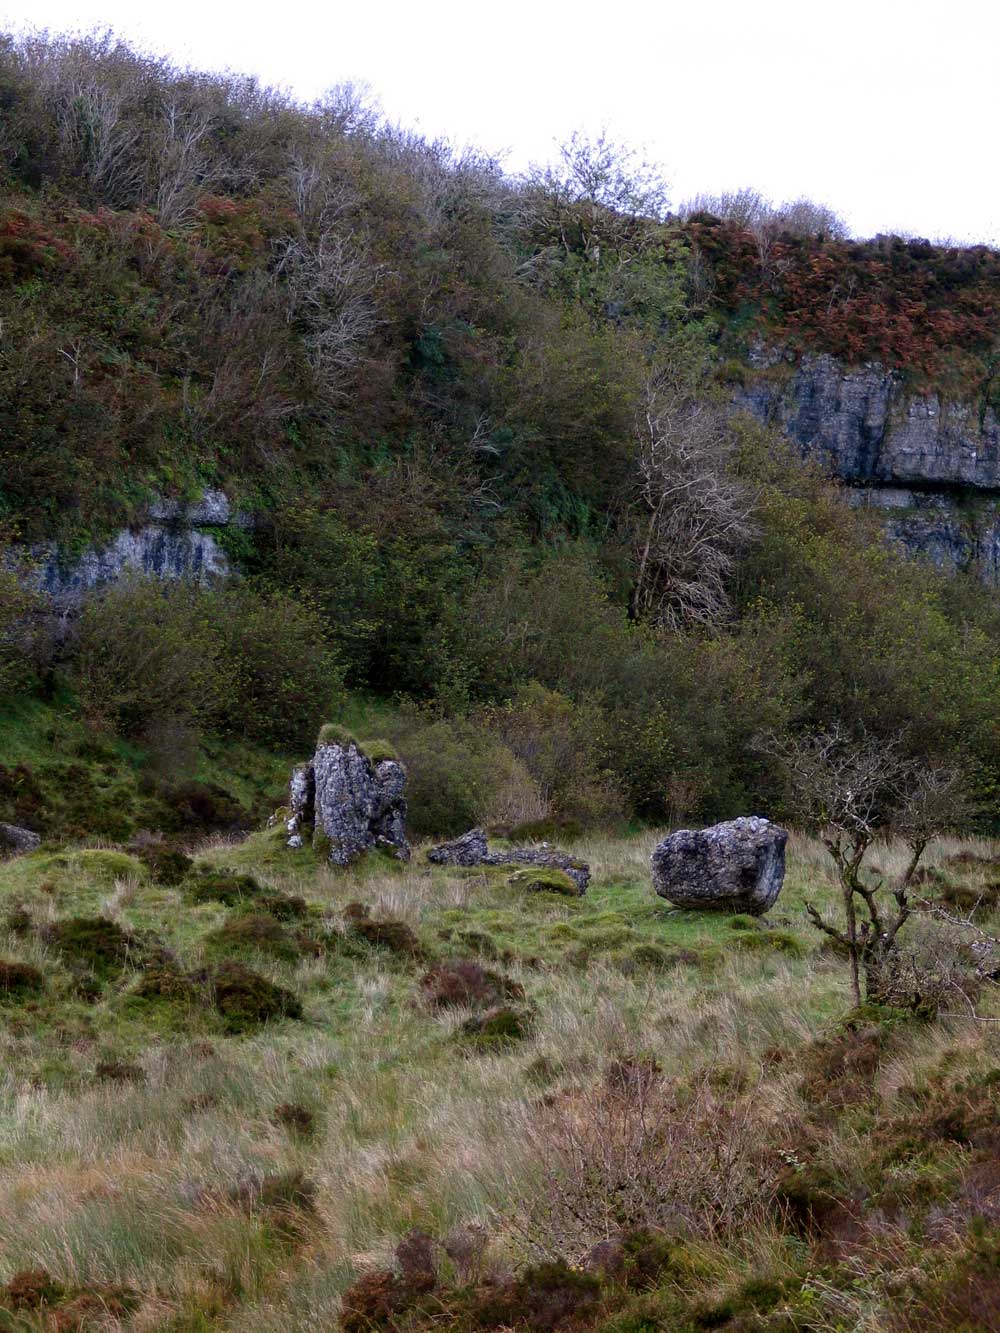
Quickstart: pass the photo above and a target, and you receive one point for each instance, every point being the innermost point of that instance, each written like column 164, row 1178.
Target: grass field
column 227, row 1104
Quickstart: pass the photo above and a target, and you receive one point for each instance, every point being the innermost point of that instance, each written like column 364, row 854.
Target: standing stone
column 389, row 824
column 738, row 866
column 348, row 805
column 301, row 803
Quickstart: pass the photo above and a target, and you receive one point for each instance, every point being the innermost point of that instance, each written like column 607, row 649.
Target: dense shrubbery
column 458, row 401
column 252, row 662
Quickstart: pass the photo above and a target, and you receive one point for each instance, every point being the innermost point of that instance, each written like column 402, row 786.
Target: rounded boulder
column 738, row 866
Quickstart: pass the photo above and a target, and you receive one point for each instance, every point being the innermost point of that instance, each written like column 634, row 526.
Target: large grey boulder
column 15, row 839
column 347, row 804
column 472, row 849
column 738, row 866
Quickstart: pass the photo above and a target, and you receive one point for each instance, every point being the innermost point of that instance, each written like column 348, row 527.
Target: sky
column 886, row 111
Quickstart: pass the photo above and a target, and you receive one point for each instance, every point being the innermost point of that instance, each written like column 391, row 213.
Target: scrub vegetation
column 504, row 526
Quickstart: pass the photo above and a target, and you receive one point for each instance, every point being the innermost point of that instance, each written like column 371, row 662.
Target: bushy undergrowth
column 424, row 378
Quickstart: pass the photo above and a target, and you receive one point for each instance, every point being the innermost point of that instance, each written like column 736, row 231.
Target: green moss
column 331, row 733
column 543, row 879
column 379, row 749
column 769, row 941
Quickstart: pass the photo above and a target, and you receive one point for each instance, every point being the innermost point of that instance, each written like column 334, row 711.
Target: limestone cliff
column 175, row 541
column 931, row 465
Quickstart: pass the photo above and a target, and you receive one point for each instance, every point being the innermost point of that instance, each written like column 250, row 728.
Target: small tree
column 852, row 792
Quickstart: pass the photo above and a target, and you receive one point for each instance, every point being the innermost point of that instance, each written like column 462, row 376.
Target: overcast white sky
column 887, row 111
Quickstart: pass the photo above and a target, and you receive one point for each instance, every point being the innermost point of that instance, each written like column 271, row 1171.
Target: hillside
column 688, row 1081
column 466, row 440
column 599, row 517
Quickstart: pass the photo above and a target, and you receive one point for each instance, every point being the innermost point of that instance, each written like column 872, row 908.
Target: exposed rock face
column 472, row 849
column 933, row 465
column 154, row 551
column 738, row 866
column 170, row 546
column 348, row 803
column 14, row 839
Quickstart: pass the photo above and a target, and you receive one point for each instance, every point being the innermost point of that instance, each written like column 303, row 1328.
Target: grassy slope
column 59, row 775
column 126, row 1182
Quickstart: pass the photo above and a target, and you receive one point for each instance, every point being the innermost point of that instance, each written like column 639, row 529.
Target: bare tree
column 182, row 167
column 693, row 515
column 853, row 791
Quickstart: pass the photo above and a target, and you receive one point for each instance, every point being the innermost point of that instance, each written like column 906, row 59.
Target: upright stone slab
column 389, row 821
column 738, row 866
column 350, row 804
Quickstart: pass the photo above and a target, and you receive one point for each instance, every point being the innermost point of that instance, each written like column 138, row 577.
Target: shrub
column 466, row 984
column 19, row 981
column 96, row 943
column 393, row 936
column 223, row 886
column 246, row 1000
column 498, row 1029
column 145, row 652
column 255, row 931
column 296, row 1119
column 281, row 669
column 165, row 864
column 558, row 742
column 457, row 777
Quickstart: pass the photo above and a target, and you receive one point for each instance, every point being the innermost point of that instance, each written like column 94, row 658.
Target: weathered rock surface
column 738, row 866
column 469, row 850
column 343, row 801
column 170, row 546
column 549, row 857
column 933, row 465
column 14, row 839
column 157, row 552
column 472, row 849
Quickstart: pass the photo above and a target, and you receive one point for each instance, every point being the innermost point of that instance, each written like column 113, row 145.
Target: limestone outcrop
column 472, row 849
column 738, row 866
column 16, row 840
column 931, row 465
